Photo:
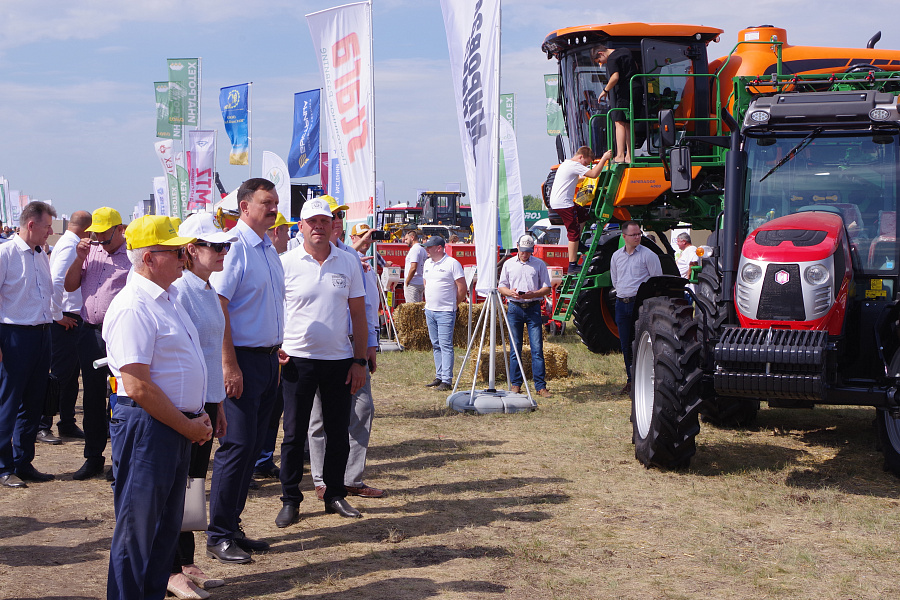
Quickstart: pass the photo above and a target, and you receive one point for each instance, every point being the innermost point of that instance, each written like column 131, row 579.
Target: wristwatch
column 360, row 361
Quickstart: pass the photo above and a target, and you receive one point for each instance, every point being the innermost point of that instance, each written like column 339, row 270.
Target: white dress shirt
column 25, row 285
column 146, row 324
column 63, row 256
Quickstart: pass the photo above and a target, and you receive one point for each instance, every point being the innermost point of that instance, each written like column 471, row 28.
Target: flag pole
column 249, row 130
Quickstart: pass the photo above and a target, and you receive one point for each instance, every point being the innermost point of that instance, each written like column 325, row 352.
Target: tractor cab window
column 667, row 64
column 853, row 174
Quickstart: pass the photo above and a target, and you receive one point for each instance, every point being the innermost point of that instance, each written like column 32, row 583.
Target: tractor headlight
column 751, row 273
column 816, row 275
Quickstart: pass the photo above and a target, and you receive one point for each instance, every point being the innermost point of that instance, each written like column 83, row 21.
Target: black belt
column 526, row 304
column 94, row 325
column 72, row 315
column 259, row 350
column 17, row 326
column 626, row 300
column 126, row 401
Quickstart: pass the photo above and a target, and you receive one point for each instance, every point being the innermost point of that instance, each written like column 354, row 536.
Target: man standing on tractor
column 562, row 196
column 630, row 266
column 620, row 68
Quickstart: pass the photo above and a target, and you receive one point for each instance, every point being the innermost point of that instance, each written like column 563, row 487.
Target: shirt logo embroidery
column 338, row 280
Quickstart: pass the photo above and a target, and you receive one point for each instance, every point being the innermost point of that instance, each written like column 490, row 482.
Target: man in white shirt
column 445, row 288
column 686, row 256
column 65, row 330
column 321, row 284
column 25, row 316
column 562, row 196
column 155, row 355
column 413, row 283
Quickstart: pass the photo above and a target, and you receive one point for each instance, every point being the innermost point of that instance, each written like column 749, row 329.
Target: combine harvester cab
column 676, row 75
column 798, row 304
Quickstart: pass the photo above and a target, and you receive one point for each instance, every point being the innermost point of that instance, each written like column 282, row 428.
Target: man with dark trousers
column 321, row 284
column 100, row 269
column 251, row 289
column 161, row 378
column 630, row 266
column 65, row 330
column 25, row 316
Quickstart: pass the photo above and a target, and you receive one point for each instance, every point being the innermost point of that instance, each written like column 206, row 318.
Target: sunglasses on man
column 179, row 252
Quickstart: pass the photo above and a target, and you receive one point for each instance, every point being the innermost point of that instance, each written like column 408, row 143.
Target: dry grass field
column 550, row 504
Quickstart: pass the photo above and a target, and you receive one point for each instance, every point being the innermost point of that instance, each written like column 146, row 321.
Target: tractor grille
column 782, row 294
column 771, row 363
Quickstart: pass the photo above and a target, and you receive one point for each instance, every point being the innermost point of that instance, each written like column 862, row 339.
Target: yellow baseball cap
column 280, row 220
column 153, row 230
column 332, row 203
column 360, row 229
column 176, row 222
column 104, row 219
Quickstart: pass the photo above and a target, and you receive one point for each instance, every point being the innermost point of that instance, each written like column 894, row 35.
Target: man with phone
column 100, row 270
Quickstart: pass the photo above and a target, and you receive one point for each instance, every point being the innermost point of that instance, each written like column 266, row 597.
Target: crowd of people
column 207, row 333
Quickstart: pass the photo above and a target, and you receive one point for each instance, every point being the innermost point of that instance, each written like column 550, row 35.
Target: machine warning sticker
column 876, row 289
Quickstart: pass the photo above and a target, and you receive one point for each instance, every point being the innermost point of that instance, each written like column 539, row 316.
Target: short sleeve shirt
column 528, row 276
column 622, row 62
column 146, row 325
column 440, row 283
column 316, row 301
column 253, row 283
column 684, row 258
column 103, row 275
column 562, row 195
column 416, row 255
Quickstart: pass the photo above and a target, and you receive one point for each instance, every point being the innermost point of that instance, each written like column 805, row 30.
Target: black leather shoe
column 288, row 515
column 228, row 552
column 341, row 507
column 434, row 383
column 29, row 473
column 272, row 472
column 11, row 481
column 70, row 430
column 248, row 544
column 47, row 437
column 91, row 468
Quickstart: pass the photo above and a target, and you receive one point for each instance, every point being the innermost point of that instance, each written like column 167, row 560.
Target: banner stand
column 491, row 400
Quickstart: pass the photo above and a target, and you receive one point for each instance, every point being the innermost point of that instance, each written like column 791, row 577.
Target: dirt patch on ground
column 548, row 504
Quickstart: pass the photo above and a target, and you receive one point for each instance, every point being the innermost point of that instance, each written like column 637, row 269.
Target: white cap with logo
column 315, row 208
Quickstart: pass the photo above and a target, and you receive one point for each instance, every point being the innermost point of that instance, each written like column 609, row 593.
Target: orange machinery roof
column 641, row 30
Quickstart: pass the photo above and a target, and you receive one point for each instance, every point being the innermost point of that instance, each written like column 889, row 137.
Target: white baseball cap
column 314, row 208
column 203, row 226
column 526, row 243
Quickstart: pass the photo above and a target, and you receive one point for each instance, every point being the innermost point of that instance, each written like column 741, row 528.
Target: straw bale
column 461, row 329
column 556, row 363
column 411, row 328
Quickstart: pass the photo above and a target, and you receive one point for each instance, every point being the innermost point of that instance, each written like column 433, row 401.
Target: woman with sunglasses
column 200, row 300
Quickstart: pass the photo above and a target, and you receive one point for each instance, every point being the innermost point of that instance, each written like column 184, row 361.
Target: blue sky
column 76, row 96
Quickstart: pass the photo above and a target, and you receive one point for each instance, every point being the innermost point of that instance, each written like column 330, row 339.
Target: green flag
column 508, row 108
column 163, row 127
column 184, row 95
column 555, row 123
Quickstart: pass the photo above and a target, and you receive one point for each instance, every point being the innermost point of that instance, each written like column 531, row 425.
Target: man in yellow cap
column 100, row 270
column 156, row 358
column 280, row 233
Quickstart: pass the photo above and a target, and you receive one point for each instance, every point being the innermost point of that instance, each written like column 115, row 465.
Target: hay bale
column 556, row 363
column 461, row 329
column 411, row 328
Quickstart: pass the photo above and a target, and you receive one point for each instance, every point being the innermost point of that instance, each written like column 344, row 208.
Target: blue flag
column 303, row 159
column 235, row 102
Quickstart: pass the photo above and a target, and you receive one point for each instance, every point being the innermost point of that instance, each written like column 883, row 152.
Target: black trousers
column 301, row 377
column 91, row 347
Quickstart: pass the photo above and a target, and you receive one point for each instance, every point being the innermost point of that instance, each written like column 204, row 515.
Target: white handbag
column 194, row 505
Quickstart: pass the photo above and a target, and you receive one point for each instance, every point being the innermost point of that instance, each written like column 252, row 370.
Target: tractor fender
column 659, row 286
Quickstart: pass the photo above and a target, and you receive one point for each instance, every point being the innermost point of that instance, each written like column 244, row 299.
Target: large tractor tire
column 665, row 397
column 887, row 428
column 722, row 411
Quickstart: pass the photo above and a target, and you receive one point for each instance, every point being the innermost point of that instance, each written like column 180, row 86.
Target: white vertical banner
column 165, row 151
column 201, row 169
column 342, row 38
column 274, row 169
column 15, row 207
column 473, row 36
column 4, row 201
column 161, row 195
